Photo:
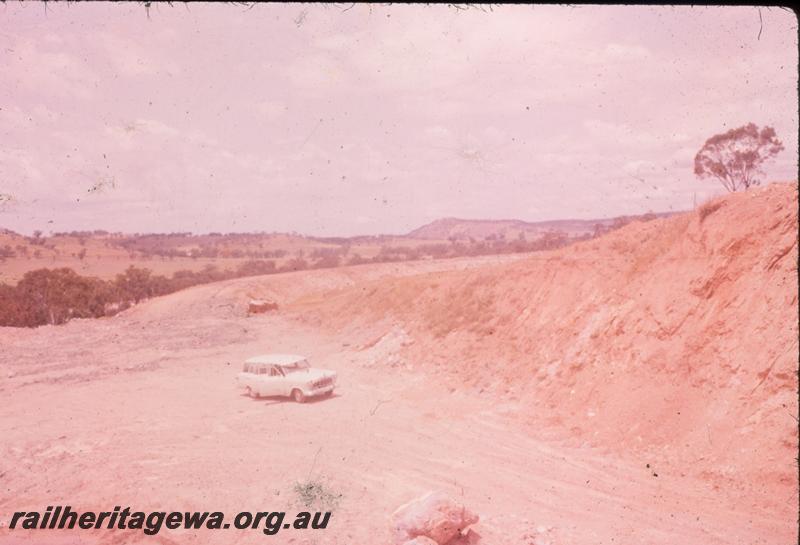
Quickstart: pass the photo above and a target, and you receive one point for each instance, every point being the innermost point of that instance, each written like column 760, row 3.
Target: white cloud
column 622, row 52
column 58, row 72
column 639, row 167
column 437, row 132
column 129, row 58
column 19, row 168
column 270, row 108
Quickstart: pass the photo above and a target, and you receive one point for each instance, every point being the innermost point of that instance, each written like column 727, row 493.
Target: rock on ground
column 435, row 516
column 420, row 540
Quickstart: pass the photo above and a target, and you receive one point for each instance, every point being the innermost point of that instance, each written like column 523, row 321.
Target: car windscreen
column 295, row 367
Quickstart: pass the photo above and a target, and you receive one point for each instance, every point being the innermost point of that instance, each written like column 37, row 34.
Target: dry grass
column 708, row 208
column 315, row 493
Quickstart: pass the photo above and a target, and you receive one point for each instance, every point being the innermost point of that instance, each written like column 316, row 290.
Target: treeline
column 55, row 296
column 212, row 245
column 256, row 246
column 490, row 246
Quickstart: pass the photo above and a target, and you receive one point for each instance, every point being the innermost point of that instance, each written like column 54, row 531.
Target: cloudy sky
column 334, row 121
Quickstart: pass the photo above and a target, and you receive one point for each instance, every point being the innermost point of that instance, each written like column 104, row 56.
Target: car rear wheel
column 253, row 393
column 298, row 396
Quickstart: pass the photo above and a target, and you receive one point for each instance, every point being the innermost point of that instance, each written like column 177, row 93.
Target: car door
column 263, row 380
column 283, row 383
column 266, row 381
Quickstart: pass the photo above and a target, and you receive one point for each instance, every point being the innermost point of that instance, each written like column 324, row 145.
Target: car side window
column 274, row 372
column 262, row 370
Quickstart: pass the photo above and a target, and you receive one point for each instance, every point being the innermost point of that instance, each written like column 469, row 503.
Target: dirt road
column 142, row 410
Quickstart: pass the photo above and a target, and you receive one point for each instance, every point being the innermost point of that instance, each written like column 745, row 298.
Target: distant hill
column 103, row 254
column 464, row 229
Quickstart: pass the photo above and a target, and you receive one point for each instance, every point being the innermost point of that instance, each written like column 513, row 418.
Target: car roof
column 276, row 359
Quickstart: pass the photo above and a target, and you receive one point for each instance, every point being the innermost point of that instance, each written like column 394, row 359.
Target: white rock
column 434, row 515
column 420, row 540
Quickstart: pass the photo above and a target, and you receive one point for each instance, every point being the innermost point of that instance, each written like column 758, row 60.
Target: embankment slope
column 674, row 339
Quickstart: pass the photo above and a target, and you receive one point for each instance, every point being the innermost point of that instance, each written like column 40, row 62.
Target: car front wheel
column 298, row 396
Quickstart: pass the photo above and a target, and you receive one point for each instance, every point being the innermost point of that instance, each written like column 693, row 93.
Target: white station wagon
column 285, row 375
